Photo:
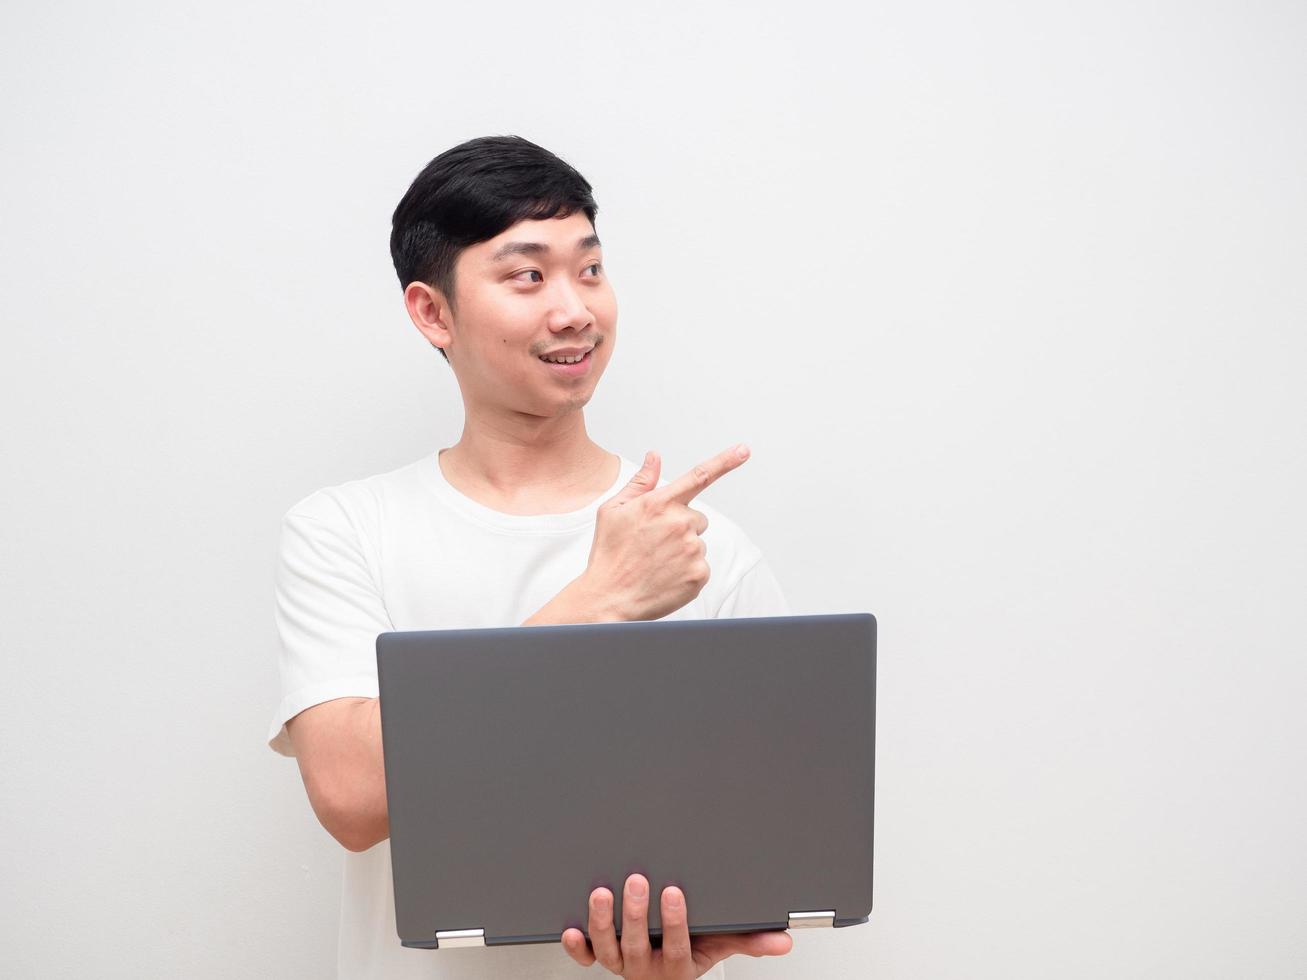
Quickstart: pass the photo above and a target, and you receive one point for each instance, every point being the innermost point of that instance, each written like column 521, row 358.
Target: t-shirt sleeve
column 757, row 594
column 328, row 613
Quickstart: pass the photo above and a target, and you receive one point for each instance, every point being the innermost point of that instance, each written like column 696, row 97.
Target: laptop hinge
column 811, row 920
column 449, row 938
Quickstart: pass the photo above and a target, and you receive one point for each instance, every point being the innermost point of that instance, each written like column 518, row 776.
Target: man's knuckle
column 634, row 949
column 676, row 949
column 701, row 474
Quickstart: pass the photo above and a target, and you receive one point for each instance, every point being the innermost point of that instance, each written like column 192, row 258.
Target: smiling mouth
column 568, row 356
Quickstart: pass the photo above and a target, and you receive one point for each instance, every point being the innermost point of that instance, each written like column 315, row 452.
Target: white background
column 1008, row 299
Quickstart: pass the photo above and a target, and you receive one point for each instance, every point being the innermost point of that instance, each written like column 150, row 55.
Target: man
column 525, row 520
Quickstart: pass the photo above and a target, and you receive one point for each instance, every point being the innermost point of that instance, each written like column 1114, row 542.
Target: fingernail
column 636, row 886
column 673, row 898
column 742, row 451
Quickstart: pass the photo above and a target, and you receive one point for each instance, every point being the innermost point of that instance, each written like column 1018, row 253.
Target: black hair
column 470, row 194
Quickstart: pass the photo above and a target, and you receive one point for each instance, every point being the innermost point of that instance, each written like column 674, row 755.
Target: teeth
column 563, row 360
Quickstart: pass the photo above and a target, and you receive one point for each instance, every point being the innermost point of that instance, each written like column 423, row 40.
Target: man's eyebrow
column 538, row 248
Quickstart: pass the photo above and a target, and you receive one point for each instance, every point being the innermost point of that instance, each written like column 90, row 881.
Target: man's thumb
column 645, row 479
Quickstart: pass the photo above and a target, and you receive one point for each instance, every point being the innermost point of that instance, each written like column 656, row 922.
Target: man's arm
column 338, row 747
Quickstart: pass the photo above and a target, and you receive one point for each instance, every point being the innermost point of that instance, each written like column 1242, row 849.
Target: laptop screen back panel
column 526, row 766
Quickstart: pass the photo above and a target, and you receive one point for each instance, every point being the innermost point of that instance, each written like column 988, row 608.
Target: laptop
column 526, row 766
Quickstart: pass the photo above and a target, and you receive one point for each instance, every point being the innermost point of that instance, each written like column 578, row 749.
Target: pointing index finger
column 685, row 488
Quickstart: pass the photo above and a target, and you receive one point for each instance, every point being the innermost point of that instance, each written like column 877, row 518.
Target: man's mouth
column 571, row 355
column 569, row 363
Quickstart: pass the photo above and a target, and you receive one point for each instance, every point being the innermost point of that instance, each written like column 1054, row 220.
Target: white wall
column 1008, row 299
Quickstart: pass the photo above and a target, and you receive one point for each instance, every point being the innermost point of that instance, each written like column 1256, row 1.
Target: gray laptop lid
column 526, row 766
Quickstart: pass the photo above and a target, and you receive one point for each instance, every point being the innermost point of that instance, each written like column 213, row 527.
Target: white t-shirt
column 405, row 550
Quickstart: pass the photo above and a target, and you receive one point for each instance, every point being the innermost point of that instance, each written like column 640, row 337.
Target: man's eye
column 531, row 272
column 596, row 266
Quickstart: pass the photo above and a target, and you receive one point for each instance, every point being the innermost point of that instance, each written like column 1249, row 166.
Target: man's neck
column 528, row 465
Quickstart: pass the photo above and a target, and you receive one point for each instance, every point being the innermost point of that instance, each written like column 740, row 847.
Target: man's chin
column 576, row 402
column 558, row 407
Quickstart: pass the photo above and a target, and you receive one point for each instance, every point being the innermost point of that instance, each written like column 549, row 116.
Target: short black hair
column 470, row 194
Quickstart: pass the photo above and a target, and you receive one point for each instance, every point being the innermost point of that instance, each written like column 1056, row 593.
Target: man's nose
column 569, row 309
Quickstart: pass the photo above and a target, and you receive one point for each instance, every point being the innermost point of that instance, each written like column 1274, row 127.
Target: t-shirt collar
column 520, row 523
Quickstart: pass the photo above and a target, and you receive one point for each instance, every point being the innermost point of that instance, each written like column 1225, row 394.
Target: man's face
column 536, row 291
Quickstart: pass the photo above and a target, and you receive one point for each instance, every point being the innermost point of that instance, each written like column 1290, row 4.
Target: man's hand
column 647, row 557
column 681, row 958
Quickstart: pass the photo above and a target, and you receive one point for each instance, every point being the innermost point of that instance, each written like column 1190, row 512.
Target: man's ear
column 429, row 311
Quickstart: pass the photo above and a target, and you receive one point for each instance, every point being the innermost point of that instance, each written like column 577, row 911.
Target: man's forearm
column 579, row 602
column 338, row 745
